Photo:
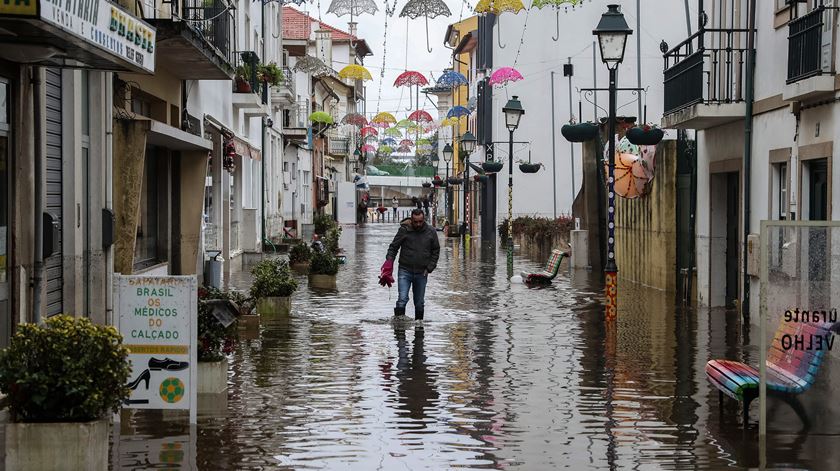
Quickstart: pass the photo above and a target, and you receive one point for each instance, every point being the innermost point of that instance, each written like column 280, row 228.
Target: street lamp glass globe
column 612, row 32
column 468, row 142
column 513, row 113
column 447, row 153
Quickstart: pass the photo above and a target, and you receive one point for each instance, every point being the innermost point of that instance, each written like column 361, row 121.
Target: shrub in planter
column 426, row 184
column 646, row 135
column 454, row 181
column 214, row 339
column 331, row 239
column 270, row 73
column 323, row 222
column 68, row 370
column 322, row 270
column 437, row 183
column 529, row 167
column 579, row 132
column 492, row 166
column 273, row 286
column 300, row 254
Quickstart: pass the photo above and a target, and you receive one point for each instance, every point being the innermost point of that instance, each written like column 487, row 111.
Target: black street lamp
column 436, row 161
column 513, row 113
column 447, row 157
column 612, row 32
column 468, row 142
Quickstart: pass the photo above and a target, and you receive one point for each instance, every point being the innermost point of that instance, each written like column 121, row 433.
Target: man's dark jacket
column 419, row 248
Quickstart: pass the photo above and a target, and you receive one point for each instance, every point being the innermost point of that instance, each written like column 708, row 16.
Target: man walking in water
column 419, row 250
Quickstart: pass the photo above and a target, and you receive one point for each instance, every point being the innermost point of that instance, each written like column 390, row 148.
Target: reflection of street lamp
column 468, row 142
column 447, row 157
column 612, row 32
column 436, row 161
column 357, row 155
column 513, row 113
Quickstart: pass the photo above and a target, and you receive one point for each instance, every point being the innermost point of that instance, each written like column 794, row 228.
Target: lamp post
column 447, row 157
column 513, row 113
column 436, row 161
column 612, row 32
column 468, row 142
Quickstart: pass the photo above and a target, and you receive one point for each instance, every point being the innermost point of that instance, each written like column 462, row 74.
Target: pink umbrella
column 368, row 148
column 504, row 75
column 369, row 131
column 410, row 78
column 406, row 142
column 421, row 116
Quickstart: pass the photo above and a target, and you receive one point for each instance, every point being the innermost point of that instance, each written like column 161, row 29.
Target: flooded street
column 499, row 376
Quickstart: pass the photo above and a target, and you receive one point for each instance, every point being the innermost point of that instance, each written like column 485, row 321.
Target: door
column 52, row 265
column 818, row 253
column 732, row 260
column 5, row 190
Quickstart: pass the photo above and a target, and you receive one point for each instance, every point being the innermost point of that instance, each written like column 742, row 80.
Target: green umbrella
column 405, row 124
column 393, row 132
column 321, row 117
column 385, row 150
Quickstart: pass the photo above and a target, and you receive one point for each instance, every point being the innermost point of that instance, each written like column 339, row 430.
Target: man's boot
column 399, row 311
column 418, row 314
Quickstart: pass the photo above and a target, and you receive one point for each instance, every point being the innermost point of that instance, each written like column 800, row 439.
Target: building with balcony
column 794, row 121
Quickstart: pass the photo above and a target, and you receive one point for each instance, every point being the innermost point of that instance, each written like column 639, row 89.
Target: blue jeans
column 416, row 281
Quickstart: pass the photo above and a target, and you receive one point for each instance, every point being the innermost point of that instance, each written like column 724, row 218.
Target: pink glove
column 386, row 275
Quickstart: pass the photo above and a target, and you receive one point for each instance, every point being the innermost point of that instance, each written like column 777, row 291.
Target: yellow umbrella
column 384, row 118
column 499, row 6
column 354, row 72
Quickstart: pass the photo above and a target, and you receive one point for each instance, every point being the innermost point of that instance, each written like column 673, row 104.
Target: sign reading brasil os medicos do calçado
column 157, row 317
column 100, row 23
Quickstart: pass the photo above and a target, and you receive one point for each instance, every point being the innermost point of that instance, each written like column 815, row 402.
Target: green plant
column 243, row 72
column 68, row 370
column 272, row 278
column 214, row 339
column 270, row 73
column 540, row 228
column 300, row 253
column 323, row 223
column 323, row 264
column 332, row 238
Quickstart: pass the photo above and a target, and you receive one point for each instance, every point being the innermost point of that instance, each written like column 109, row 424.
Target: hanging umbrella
column 393, row 132
column 410, row 78
column 449, row 121
column 354, row 119
column 429, row 127
column 451, row 79
column 504, row 75
column 421, row 116
column 404, row 124
column 428, row 8
column 354, row 72
column 369, row 131
column 630, row 174
column 352, row 7
column 554, row 3
column 404, row 149
column 423, row 142
column 407, row 142
column 371, row 138
column 310, row 65
column 385, row 150
column 321, row 117
column 389, row 141
column 383, row 119
column 457, row 111
column 368, row 148
column 296, row 2
column 498, row 7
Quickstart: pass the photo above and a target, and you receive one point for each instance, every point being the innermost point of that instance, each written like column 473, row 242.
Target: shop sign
column 19, row 8
column 104, row 25
column 157, row 317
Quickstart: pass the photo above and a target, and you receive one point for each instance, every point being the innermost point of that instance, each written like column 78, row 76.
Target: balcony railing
column 213, row 20
column 708, row 67
column 805, row 46
column 247, row 76
column 339, row 145
column 296, row 116
column 289, row 80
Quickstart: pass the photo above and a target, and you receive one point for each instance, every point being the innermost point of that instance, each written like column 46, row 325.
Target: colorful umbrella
column 384, row 118
column 406, row 142
column 410, row 78
column 504, row 75
column 368, row 148
column 389, row 141
column 428, row 8
column 352, row 7
column 457, row 111
column 354, row 119
column 449, row 122
column 321, row 117
column 393, row 132
column 634, row 168
column 369, row 131
column 554, row 3
column 311, row 65
column 354, row 72
column 421, row 116
column 385, row 150
column 404, row 149
column 499, row 6
column 404, row 124
column 371, row 138
column 423, row 142
column 429, row 127
column 451, row 79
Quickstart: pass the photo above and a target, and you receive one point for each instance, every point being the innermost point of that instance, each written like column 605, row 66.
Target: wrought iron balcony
column 250, row 93
column 295, row 119
column 806, row 57
column 284, row 93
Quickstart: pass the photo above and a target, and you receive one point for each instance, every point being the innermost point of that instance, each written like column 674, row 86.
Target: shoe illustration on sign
column 167, row 364
column 172, row 390
column 144, row 376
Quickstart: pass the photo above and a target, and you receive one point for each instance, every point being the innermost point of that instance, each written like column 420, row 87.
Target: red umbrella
column 421, row 116
column 406, row 142
column 368, row 148
column 369, row 131
column 410, row 78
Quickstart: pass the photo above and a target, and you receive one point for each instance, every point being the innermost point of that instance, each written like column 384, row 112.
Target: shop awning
column 96, row 35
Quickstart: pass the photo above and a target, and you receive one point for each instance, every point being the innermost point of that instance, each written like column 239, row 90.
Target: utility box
column 580, row 249
column 346, row 199
column 753, row 255
column 213, row 269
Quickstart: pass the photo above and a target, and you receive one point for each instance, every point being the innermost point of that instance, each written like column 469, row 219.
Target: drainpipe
column 262, row 137
column 38, row 269
column 109, row 192
column 748, row 130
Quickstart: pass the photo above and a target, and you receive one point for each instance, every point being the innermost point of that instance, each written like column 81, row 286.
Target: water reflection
column 498, row 376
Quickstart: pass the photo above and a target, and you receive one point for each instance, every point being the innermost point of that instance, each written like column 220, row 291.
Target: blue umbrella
column 389, row 141
column 457, row 111
column 451, row 79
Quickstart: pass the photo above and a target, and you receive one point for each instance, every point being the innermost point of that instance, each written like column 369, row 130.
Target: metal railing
column 805, row 46
column 708, row 67
column 339, row 145
column 247, row 76
column 213, row 20
column 296, row 116
column 400, row 170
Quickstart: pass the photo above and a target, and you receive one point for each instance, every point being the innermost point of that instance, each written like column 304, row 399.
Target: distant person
column 426, row 206
column 395, row 203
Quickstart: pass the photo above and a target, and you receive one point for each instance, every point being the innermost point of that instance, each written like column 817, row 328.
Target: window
column 781, row 189
column 153, row 222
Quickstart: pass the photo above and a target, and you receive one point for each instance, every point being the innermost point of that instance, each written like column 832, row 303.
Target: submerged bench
column 793, row 360
column 551, row 269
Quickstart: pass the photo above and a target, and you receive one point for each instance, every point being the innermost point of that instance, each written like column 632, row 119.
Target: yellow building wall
column 460, row 97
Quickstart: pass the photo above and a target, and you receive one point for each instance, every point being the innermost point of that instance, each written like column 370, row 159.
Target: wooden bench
column 551, row 269
column 790, row 372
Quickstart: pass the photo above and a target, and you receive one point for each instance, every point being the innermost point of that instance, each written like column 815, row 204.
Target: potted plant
column 454, row 180
column 322, row 223
column 579, row 132
column 62, row 380
column 242, row 81
column 426, row 184
column 215, row 339
column 299, row 256
column 528, row 167
column 273, row 287
column 322, row 270
column 331, row 239
column 270, row 74
column 492, row 166
column 646, row 135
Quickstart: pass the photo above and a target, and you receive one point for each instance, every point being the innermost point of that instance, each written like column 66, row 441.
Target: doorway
column 724, row 249
column 5, row 194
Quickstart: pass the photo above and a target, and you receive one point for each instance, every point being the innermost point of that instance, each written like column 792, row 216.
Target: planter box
column 529, row 168
column 59, row 445
column 300, row 267
column 322, row 281
column 212, row 376
column 640, row 137
column 580, row 132
column 249, row 327
column 492, row 166
column 274, row 306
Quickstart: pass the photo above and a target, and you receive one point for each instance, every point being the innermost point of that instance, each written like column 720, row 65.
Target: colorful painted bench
column 790, row 371
column 551, row 269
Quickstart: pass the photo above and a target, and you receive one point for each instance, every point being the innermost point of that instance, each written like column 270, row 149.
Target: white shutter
column 826, row 51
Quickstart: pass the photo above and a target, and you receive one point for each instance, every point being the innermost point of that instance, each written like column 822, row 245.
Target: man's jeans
column 417, row 281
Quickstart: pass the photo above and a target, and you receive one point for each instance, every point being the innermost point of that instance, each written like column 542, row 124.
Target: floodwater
column 499, row 376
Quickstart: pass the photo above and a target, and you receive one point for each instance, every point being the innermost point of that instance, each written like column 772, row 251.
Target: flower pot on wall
column 212, row 376
column 645, row 137
column 580, row 132
column 529, row 168
column 242, row 85
column 57, row 445
column 492, row 166
column 274, row 306
column 322, row 281
column 454, row 181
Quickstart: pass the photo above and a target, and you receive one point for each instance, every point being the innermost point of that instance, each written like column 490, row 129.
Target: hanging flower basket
column 580, row 132
column 426, row 185
column 455, row 181
column 529, row 168
column 481, row 178
column 492, row 166
column 437, row 183
column 645, row 135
